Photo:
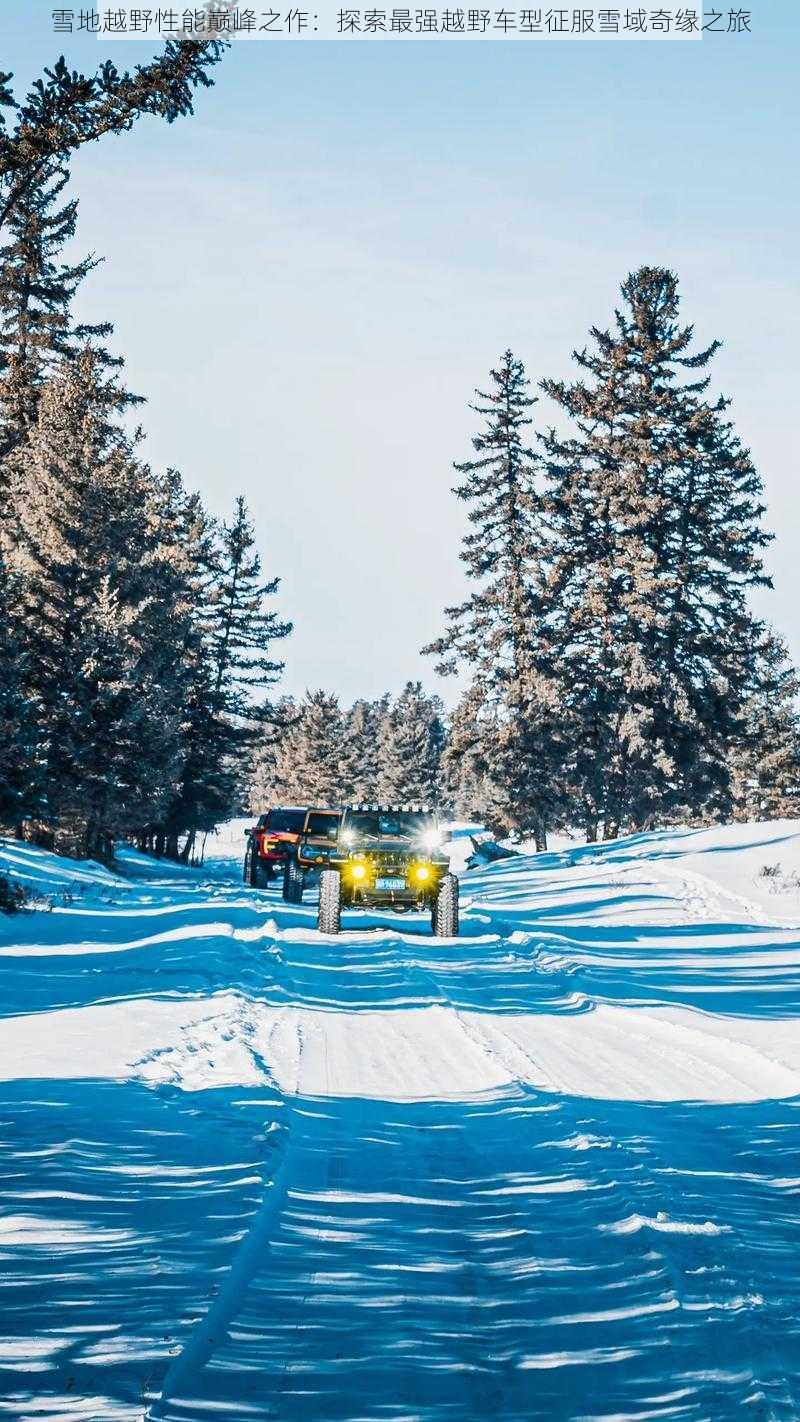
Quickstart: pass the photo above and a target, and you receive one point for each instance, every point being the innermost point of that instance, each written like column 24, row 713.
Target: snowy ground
column 550, row 1170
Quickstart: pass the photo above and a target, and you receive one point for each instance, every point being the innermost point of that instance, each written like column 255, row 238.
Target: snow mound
column 662, row 1224
column 42, row 873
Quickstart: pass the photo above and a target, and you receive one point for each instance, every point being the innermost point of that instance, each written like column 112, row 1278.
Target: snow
column 428, row 1053
column 547, row 1170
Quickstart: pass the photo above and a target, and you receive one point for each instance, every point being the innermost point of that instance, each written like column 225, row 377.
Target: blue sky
column 309, row 278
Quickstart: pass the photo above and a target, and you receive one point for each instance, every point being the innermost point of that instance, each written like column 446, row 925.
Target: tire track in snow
column 180, row 1379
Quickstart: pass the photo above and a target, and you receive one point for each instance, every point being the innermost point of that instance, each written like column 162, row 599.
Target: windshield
column 388, row 824
column 286, row 821
column 323, row 824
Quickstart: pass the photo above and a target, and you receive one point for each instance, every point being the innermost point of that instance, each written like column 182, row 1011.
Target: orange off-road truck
column 271, row 841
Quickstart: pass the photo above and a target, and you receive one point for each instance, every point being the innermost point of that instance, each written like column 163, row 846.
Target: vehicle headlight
column 421, row 873
column 358, row 871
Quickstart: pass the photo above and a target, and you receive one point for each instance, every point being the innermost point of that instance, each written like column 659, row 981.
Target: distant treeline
column 388, row 750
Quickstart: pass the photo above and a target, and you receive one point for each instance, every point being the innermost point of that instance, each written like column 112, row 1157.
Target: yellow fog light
column 358, row 871
column 422, row 872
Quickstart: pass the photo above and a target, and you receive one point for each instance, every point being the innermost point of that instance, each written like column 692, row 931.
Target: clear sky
column 309, row 278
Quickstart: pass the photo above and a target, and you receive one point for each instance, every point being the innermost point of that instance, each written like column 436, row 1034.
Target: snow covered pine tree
column 411, row 739
column 505, row 748
column 226, row 658
column 360, row 750
column 765, row 759
column 309, row 768
column 38, row 344
column 97, row 681
column 18, row 772
column 655, row 509
column 36, row 295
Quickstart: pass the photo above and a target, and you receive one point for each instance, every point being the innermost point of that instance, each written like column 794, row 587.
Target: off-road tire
column 255, row 874
column 329, row 913
column 293, row 882
column 260, row 874
column 444, row 918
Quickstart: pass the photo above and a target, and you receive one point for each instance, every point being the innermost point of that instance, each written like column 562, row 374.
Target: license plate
column 390, row 885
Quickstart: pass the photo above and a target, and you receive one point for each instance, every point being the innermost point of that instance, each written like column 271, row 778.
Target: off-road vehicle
column 311, row 853
column 270, row 841
column 388, row 857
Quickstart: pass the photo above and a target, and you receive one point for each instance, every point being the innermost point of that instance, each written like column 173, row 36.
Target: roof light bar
column 405, row 808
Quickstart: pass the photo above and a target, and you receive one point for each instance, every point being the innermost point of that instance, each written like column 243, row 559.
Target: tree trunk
column 171, row 846
column 72, row 837
column 38, row 832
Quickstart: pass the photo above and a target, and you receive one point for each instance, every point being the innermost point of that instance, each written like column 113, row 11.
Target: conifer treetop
column 66, row 108
column 655, row 508
column 36, row 293
column 499, row 487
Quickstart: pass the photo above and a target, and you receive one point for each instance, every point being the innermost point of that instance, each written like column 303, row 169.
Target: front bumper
column 389, row 898
column 392, row 881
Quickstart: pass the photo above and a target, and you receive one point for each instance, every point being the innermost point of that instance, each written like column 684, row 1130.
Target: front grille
column 398, row 862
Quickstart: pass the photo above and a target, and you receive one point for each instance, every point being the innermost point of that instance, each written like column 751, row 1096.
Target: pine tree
column 18, row 772
column 93, row 666
column 36, row 293
column 410, row 745
column 66, row 109
column 469, row 761
column 264, row 789
column 765, row 761
column 124, row 746
column 491, row 630
column 243, row 627
column 361, row 750
column 207, row 787
column 308, row 768
column 229, row 658
column 655, row 509
column 502, row 633
column 524, row 782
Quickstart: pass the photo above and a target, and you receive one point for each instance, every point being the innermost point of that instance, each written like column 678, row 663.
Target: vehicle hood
column 399, row 847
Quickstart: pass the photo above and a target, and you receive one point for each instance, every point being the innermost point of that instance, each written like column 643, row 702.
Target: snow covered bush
column 12, row 896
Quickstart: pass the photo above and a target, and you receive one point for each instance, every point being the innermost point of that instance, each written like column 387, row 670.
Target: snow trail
column 547, row 1171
